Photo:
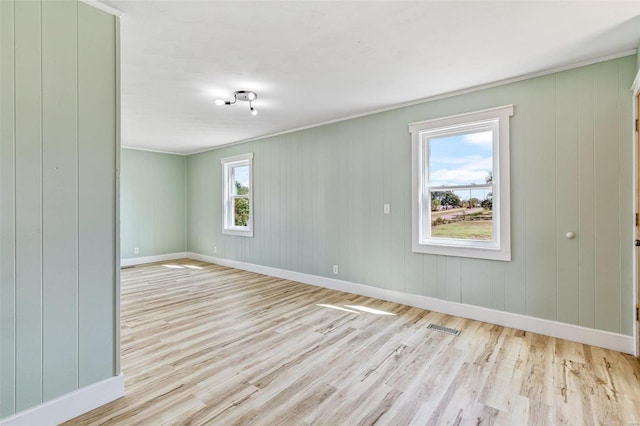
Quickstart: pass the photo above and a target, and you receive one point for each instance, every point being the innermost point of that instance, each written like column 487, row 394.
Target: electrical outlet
column 135, row 250
column 335, row 269
column 215, row 249
column 386, row 208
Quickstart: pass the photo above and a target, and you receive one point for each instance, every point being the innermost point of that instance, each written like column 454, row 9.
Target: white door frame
column 635, row 88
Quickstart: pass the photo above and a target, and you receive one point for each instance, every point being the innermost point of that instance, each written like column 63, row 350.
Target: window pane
column 466, row 215
column 241, row 211
column 240, row 178
column 465, row 159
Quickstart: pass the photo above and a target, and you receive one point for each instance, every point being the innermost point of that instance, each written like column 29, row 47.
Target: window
column 237, row 195
column 460, row 185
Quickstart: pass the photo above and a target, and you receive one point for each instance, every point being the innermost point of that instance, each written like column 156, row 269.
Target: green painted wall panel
column 626, row 158
column 7, row 212
column 28, row 221
column 540, row 186
column 498, row 286
column 153, row 207
column 96, row 194
column 569, row 153
column 57, row 170
column 515, row 289
column 477, row 282
column 586, row 197
column 59, row 195
column 566, row 201
column 606, row 179
column 430, row 276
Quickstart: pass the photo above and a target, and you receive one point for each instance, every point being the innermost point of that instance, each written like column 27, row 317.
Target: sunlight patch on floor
column 355, row 309
column 337, row 307
column 369, row 310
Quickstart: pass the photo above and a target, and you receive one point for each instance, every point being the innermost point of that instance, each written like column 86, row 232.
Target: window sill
column 238, row 232
column 462, row 251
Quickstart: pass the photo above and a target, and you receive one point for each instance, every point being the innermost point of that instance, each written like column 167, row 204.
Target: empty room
column 319, row 212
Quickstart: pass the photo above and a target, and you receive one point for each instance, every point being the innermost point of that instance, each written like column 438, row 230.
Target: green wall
column 58, row 217
column 319, row 197
column 153, row 204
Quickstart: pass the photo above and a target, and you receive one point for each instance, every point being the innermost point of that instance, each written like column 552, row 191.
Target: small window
column 237, row 180
column 461, row 185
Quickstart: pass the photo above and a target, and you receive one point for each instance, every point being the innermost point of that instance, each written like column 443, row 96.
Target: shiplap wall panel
column 40, row 227
column 540, row 201
column 476, row 284
column 153, row 204
column 586, row 196
column 260, row 203
column 566, row 147
column 607, row 196
column 28, row 163
column 498, row 293
column 626, row 158
column 429, row 275
column 515, row 271
column 403, row 274
column 7, row 213
column 454, row 279
column 566, row 201
column 441, row 273
column 375, row 145
column 269, row 181
column 60, row 195
column 96, row 194
column 295, row 211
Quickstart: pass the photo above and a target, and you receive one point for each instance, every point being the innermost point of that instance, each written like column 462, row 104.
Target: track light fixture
column 241, row 95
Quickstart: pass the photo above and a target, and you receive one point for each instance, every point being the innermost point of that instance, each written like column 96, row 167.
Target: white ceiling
column 316, row 61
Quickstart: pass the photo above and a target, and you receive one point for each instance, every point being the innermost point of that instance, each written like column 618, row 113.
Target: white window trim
column 227, row 164
column 501, row 198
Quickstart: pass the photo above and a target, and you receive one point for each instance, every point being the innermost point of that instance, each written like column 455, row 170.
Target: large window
column 461, row 185
column 237, row 193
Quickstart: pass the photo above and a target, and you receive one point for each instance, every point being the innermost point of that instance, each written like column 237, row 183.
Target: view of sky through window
column 465, row 159
column 241, row 176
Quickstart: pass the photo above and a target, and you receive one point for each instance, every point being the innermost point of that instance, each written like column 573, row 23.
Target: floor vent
column 442, row 329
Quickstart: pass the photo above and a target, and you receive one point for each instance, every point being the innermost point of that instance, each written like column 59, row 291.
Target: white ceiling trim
column 182, row 154
column 103, row 7
column 423, row 100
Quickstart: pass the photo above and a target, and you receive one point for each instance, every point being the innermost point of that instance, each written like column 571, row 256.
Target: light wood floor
column 204, row 344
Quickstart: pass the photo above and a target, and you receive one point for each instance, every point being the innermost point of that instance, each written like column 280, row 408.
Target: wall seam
column 41, row 214
column 595, row 203
column 15, row 224
column 555, row 183
column 620, row 197
column 77, row 204
column 525, row 203
column 116, row 202
column 578, row 195
column 186, row 204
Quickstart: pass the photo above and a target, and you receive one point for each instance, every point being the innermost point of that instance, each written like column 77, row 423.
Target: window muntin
column 461, row 185
column 237, row 195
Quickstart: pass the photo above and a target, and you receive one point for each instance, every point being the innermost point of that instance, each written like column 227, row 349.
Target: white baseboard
column 575, row 333
column 71, row 405
column 150, row 259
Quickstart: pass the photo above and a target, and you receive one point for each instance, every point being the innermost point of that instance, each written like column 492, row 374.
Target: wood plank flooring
column 205, row 344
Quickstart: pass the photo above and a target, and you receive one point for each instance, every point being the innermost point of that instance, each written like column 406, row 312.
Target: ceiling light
column 241, row 95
